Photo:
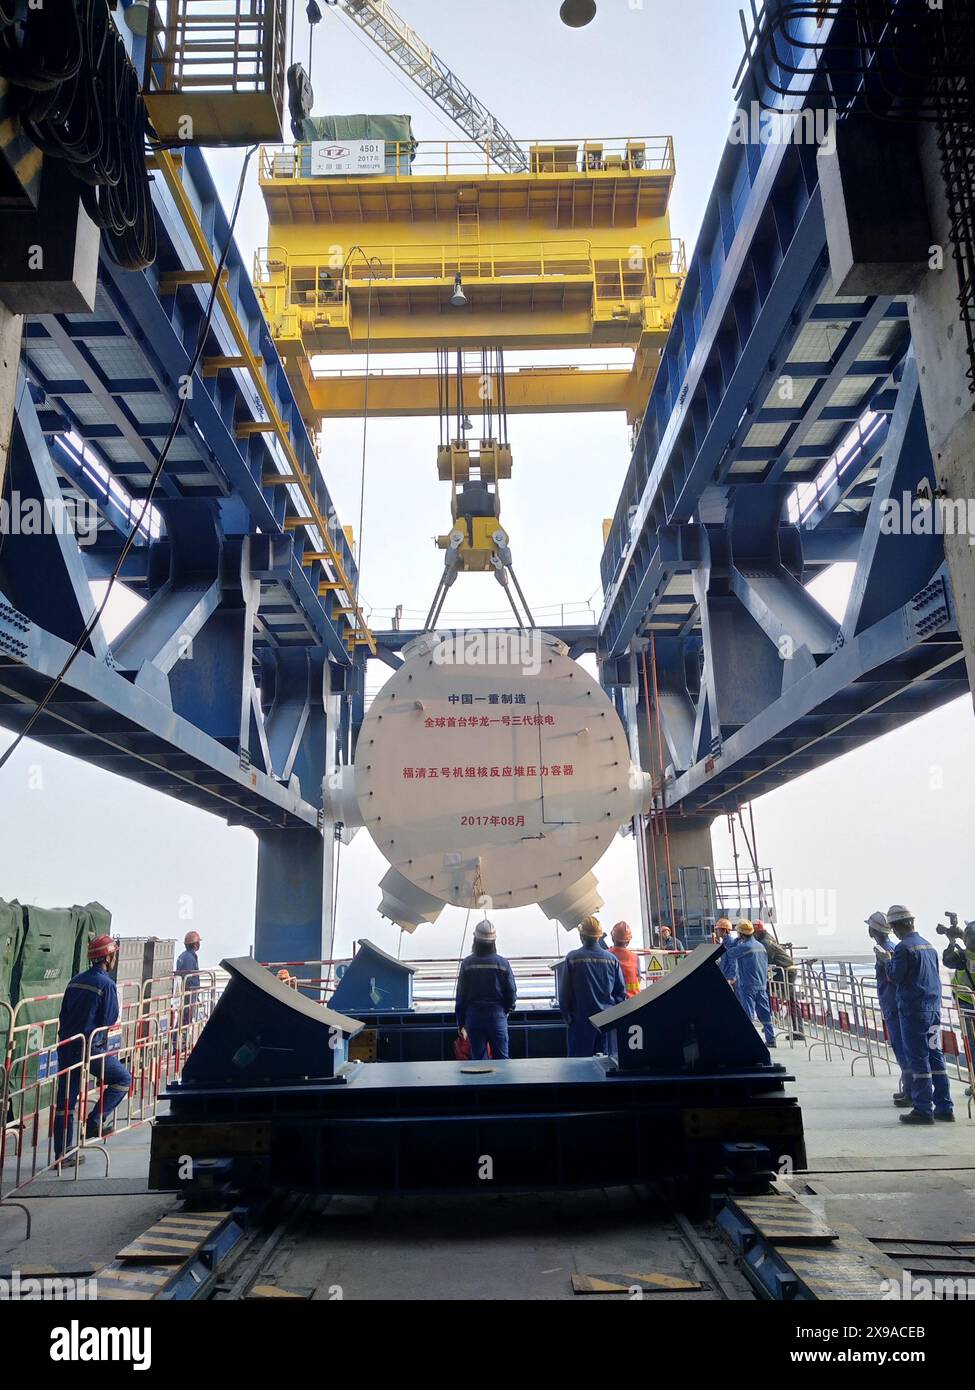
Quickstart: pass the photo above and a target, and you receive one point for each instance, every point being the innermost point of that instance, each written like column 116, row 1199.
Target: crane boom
column 417, row 59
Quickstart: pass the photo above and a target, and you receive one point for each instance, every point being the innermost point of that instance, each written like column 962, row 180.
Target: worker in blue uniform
column 188, row 962
column 89, row 1007
column 723, row 938
column 188, row 970
column 486, row 995
column 751, row 984
column 591, row 980
column 879, row 930
column 915, row 971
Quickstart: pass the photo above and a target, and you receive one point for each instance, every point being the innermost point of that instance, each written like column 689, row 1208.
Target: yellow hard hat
column 745, row 929
column 589, row 926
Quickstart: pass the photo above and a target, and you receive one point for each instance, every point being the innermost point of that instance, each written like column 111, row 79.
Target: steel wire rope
column 370, row 262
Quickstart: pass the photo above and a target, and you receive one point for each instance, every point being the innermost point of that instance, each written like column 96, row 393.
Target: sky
column 890, row 822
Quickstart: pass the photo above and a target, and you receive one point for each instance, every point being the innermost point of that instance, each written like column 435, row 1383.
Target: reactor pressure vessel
column 492, row 772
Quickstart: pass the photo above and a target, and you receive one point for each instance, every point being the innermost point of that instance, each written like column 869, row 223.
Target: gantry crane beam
column 403, row 45
column 576, row 252
column 544, row 390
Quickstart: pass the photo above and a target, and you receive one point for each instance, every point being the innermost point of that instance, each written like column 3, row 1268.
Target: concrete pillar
column 941, row 350
column 687, row 846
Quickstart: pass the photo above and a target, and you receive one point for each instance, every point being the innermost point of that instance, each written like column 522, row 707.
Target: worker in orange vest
column 629, row 961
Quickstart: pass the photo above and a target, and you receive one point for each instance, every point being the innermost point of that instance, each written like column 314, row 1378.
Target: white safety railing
column 835, row 1008
column 46, row 1079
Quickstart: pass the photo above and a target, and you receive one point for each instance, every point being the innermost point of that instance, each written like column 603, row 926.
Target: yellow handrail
column 361, row 633
column 612, row 156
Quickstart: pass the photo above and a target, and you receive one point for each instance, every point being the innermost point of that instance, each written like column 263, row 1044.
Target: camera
column 954, row 933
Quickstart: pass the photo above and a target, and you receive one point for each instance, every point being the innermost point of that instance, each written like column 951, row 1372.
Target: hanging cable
column 154, row 478
column 365, row 427
column 477, row 897
column 524, row 601
column 371, row 262
column 661, row 763
column 764, row 905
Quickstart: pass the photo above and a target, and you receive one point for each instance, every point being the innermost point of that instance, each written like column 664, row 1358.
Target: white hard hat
column 878, row 920
column 485, row 931
column 899, row 913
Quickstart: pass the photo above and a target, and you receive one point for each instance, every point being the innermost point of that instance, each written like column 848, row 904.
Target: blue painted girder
column 765, row 374
column 896, row 655
column 129, row 715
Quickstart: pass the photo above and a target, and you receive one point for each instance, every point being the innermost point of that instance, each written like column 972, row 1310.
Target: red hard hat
column 100, row 947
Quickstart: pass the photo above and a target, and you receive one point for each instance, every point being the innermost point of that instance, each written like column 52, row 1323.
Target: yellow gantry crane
column 574, row 252
column 382, row 244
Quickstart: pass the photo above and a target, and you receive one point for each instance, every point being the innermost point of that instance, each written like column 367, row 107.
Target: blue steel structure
column 771, row 382
column 234, row 688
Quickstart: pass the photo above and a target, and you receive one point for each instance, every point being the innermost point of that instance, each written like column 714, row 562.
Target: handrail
column 596, row 159
column 316, row 522
column 35, row 1087
column 534, row 369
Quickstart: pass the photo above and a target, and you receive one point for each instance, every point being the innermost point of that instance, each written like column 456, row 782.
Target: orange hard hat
column 722, row 924
column 284, row 975
column 100, row 947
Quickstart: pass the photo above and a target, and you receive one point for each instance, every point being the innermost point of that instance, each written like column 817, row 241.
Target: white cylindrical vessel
column 492, row 772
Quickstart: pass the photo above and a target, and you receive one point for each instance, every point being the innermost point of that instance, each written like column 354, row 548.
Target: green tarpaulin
column 11, row 941
column 90, row 921
column 53, row 947
column 397, row 129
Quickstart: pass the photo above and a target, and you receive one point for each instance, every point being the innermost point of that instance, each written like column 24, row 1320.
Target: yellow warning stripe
column 141, row 1276
column 177, row 1224
column 165, row 1243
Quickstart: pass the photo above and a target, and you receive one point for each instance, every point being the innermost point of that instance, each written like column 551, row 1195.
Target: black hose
column 79, row 101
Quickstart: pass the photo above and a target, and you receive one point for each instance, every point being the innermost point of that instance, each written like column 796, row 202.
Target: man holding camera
column 913, row 970
column 959, row 957
column 879, row 930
